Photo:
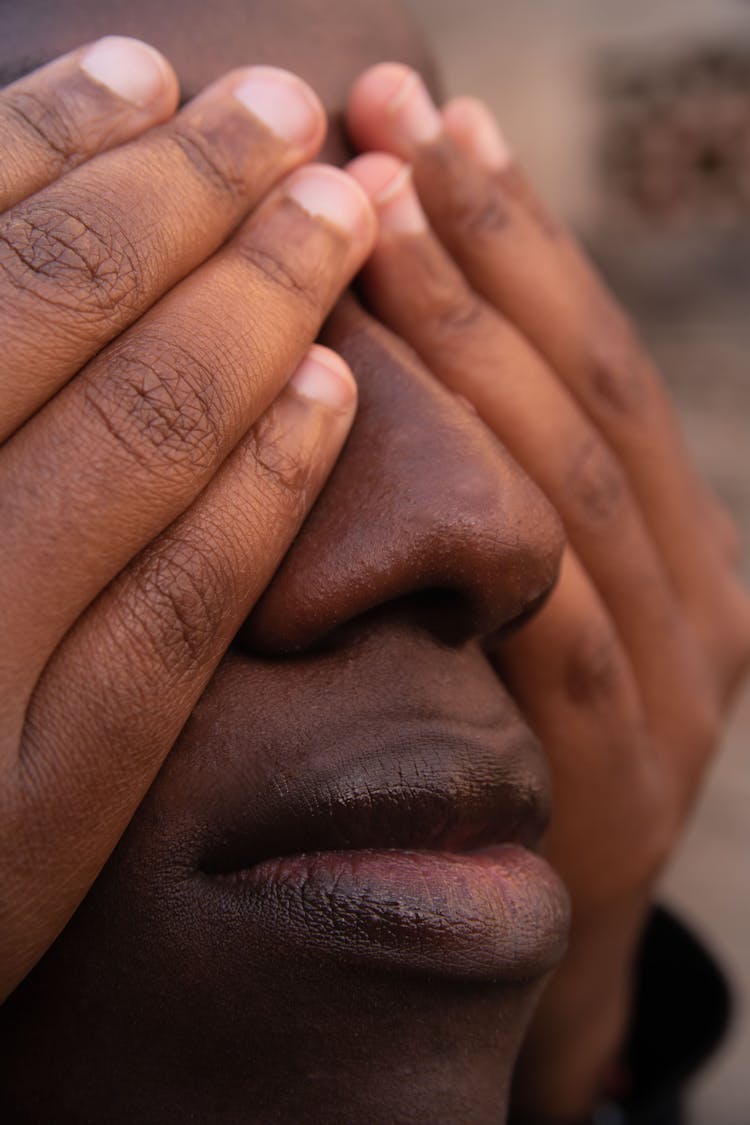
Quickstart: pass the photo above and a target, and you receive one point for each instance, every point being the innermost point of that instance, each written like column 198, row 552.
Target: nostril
column 425, row 515
column 446, row 580
column 454, row 617
column 447, row 614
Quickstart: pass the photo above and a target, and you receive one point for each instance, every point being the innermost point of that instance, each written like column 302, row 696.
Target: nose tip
column 425, row 514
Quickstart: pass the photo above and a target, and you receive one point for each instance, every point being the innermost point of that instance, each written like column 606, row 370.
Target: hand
column 157, row 459
column 627, row 672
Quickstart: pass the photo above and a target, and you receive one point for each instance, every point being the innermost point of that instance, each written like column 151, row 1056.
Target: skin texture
column 359, row 707
column 154, row 921
column 627, row 672
column 356, row 709
column 142, row 567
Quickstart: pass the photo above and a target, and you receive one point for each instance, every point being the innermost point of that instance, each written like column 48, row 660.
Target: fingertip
column 377, row 86
column 364, row 107
column 335, row 196
column 377, row 173
column 390, row 108
column 134, row 71
column 285, row 103
column 326, row 379
column 388, row 183
column 472, row 126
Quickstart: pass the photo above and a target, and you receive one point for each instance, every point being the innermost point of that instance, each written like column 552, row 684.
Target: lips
column 492, row 916
column 448, row 788
column 416, row 857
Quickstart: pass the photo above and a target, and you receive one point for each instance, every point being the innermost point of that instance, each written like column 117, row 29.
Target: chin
column 325, row 913
column 164, row 1033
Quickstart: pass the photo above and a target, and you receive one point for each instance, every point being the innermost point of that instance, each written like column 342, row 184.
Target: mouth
column 451, row 788
column 417, row 858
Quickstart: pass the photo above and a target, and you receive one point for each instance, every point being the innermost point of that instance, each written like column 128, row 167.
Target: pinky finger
column 123, row 683
column 79, row 105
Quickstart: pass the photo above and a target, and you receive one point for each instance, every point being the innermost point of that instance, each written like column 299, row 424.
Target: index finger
column 528, row 266
column 91, row 99
column 85, row 257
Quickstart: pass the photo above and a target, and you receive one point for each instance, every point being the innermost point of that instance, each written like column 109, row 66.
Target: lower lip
column 499, row 914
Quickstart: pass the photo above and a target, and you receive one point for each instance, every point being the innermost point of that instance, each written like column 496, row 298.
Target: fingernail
column 324, row 377
column 479, row 133
column 131, row 69
column 399, row 209
column 389, row 185
column 328, row 193
column 413, row 110
column 284, row 103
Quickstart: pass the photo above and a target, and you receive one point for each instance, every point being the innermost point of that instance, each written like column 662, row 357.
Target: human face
column 327, row 907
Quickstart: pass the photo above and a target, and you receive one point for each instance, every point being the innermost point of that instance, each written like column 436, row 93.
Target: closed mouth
column 416, row 860
column 438, row 790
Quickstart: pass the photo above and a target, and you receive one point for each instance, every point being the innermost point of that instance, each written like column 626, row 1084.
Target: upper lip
column 442, row 787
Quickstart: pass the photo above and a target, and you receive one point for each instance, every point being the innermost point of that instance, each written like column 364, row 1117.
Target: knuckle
column 474, row 209
column 161, row 405
column 596, row 482
column 592, row 676
column 289, row 273
column 452, row 311
column 211, row 161
column 283, row 470
column 80, row 264
column 179, row 604
column 617, row 374
column 43, row 121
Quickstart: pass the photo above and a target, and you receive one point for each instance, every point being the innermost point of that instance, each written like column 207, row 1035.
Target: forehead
column 327, row 42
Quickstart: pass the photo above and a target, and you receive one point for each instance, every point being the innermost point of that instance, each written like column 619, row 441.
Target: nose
column 425, row 514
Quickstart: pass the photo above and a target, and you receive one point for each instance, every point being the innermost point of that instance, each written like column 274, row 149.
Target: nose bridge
column 424, row 508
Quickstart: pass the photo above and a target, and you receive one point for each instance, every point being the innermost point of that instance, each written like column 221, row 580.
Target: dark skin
column 428, row 538
column 382, row 724
column 291, row 1029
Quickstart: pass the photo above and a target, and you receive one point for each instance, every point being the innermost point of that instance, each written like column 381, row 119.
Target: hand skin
column 134, row 887
column 627, row 673
column 195, row 457
column 360, row 676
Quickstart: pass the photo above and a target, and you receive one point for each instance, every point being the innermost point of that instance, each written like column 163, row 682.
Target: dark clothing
column 682, row 1012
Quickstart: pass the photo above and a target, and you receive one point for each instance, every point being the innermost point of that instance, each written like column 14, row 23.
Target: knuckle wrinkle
column 596, row 482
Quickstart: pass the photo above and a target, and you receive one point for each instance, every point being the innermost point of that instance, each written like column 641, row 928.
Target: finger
column 83, row 103
column 571, row 678
column 612, row 820
column 694, row 531
column 120, row 688
column 128, row 445
column 419, row 292
column 527, row 266
column 85, row 257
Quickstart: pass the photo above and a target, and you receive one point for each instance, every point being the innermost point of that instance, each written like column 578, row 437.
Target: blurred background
column 633, row 117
